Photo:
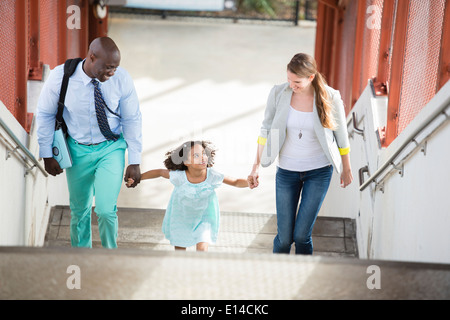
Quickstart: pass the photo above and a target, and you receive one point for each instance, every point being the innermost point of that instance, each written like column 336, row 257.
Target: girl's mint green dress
column 192, row 215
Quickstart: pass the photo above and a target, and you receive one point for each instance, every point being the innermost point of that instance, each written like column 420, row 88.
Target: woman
column 304, row 124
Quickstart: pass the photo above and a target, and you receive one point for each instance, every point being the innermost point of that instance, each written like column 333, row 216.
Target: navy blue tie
column 102, row 120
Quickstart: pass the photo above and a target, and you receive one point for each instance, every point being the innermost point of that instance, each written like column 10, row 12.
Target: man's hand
column 133, row 172
column 52, row 166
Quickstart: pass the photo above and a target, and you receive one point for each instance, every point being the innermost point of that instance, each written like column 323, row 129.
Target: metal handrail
column 22, row 147
column 410, row 139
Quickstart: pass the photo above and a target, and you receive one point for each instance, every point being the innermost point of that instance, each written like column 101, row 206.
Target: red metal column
column 331, row 3
column 77, row 36
column 318, row 54
column 333, row 21
column 398, row 53
column 84, row 32
column 444, row 70
column 324, row 38
column 360, row 25
column 35, row 65
column 337, row 48
column 62, row 31
column 381, row 80
column 97, row 27
column 21, row 62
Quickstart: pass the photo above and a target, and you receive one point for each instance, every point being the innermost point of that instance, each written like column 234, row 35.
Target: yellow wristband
column 344, row 151
column 262, row 141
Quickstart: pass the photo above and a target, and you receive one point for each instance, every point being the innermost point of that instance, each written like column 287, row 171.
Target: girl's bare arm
column 156, row 173
column 152, row 174
column 239, row 183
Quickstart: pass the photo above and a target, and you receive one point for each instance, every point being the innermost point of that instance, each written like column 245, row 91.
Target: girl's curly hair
column 175, row 159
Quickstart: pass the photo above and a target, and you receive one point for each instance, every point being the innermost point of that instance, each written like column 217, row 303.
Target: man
column 99, row 91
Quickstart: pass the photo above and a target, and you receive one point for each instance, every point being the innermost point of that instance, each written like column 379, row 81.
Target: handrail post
column 362, row 170
column 22, row 147
column 355, row 125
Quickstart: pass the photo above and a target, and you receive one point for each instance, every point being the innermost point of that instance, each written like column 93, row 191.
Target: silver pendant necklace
column 300, row 134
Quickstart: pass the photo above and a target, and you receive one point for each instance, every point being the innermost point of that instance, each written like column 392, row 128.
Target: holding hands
column 132, row 175
column 253, row 179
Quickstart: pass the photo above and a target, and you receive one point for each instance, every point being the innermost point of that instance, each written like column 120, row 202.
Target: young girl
column 192, row 215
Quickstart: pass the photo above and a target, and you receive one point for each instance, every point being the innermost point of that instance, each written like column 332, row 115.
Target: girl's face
column 197, row 159
column 298, row 84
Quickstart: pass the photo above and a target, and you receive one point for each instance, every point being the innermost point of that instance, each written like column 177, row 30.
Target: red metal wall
column 8, row 67
column 33, row 33
column 402, row 45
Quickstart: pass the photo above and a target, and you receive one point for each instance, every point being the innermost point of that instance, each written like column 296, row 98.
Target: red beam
column 35, row 65
column 381, row 80
column 335, row 48
column 357, row 67
column 98, row 27
column 444, row 63
column 62, row 31
column 318, row 54
column 331, row 3
column 20, row 108
column 395, row 83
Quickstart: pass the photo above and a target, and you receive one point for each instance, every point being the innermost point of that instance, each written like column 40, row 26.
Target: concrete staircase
column 239, row 267
column 239, row 232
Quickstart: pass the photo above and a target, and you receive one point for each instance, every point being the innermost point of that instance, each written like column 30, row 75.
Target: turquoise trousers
column 97, row 170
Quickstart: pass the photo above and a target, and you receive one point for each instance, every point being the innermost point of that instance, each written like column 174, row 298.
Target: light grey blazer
column 273, row 130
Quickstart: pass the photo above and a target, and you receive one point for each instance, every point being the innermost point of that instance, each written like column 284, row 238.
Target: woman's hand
column 252, row 179
column 346, row 177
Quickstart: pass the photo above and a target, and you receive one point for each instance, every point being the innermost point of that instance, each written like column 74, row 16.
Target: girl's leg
column 288, row 187
column 202, row 246
column 315, row 187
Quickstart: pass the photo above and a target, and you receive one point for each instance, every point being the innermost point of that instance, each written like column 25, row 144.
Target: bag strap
column 69, row 68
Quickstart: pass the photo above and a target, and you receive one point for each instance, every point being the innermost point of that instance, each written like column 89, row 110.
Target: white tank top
column 301, row 150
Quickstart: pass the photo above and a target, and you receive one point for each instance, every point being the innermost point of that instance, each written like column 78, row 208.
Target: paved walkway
column 210, row 80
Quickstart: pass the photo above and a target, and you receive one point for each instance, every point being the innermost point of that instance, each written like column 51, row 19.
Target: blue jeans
column 297, row 227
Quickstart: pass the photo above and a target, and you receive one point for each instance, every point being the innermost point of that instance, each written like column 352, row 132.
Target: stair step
column 239, row 232
column 44, row 273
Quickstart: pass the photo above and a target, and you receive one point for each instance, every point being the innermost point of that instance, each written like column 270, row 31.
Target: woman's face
column 298, row 84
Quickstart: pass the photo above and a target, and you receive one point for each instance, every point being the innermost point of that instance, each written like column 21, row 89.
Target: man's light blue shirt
column 79, row 112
